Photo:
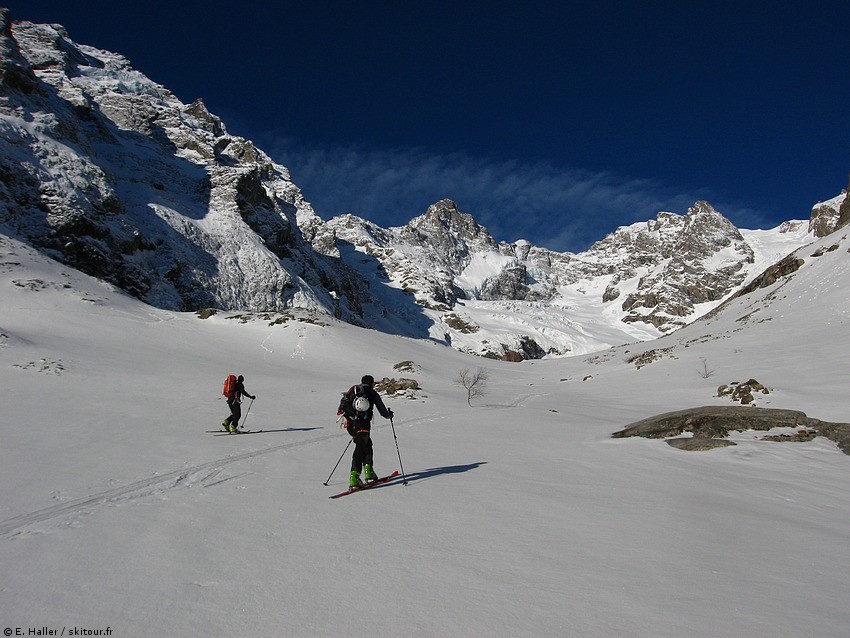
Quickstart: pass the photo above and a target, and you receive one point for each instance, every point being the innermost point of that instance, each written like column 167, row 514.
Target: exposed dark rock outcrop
column 716, row 422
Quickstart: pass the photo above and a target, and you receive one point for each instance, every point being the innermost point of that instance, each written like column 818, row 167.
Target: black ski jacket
column 240, row 392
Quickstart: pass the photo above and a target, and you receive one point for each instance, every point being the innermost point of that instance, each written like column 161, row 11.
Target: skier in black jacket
column 235, row 405
column 356, row 406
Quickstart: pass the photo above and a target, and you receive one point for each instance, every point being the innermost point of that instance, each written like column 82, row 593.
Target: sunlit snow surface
column 521, row 516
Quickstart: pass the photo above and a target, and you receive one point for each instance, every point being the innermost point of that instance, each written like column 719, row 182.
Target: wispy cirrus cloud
column 561, row 209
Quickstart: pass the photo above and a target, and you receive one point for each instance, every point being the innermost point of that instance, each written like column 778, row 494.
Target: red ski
column 366, row 486
column 222, row 432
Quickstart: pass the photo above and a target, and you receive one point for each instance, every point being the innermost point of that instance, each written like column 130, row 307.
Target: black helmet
column 368, row 379
column 240, row 378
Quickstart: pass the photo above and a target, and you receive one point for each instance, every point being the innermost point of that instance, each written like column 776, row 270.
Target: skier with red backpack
column 234, row 390
column 356, row 406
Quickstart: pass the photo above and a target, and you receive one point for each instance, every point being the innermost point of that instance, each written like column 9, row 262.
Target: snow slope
column 521, row 517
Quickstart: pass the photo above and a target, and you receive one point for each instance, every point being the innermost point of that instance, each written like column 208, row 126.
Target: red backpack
column 229, row 389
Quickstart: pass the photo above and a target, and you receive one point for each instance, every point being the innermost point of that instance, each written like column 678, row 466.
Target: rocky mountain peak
column 701, row 207
column 678, row 262
column 706, row 231
column 207, row 120
column 451, row 233
column 445, row 219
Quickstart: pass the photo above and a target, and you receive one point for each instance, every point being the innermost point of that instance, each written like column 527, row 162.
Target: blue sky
column 554, row 122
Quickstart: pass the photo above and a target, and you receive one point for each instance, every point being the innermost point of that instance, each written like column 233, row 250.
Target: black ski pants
column 362, row 451
column 235, row 411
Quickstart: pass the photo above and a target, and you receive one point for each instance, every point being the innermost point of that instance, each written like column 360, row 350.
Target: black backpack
column 356, row 404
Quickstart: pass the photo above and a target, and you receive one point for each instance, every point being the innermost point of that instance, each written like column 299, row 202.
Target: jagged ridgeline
column 107, row 171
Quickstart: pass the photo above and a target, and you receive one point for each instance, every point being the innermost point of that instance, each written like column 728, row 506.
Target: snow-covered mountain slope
column 499, row 299
column 521, row 516
column 792, row 320
column 111, row 173
column 107, row 171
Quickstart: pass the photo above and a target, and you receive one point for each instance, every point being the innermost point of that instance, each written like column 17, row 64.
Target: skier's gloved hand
column 390, row 414
column 253, row 397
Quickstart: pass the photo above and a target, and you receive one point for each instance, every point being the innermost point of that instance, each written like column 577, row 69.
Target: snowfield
column 521, row 516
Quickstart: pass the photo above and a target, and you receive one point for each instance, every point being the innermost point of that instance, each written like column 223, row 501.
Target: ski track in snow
column 267, row 351
column 204, row 474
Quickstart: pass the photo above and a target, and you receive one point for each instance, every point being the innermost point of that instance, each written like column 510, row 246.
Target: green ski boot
column 354, row 479
column 369, row 472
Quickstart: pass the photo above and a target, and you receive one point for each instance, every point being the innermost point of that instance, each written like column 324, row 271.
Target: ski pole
column 403, row 477
column 340, row 460
column 247, row 412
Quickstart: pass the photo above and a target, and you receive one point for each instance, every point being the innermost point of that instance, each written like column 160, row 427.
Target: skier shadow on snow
column 293, row 429
column 424, row 475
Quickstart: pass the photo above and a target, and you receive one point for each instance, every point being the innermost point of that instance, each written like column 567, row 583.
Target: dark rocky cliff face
column 844, row 210
column 829, row 216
